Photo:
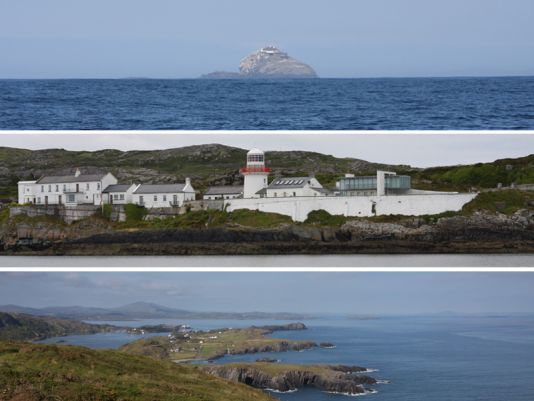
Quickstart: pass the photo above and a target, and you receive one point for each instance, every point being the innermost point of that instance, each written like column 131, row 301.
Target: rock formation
column 267, row 62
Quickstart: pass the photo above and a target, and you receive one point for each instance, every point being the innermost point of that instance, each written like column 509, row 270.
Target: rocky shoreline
column 339, row 379
column 478, row 233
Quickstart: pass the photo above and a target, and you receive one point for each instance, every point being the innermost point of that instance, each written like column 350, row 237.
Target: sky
column 334, row 292
column 341, row 38
column 418, row 150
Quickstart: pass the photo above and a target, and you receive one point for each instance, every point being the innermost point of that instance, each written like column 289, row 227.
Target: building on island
column 70, row 190
column 384, row 194
column 224, row 192
column 163, row 195
column 119, row 194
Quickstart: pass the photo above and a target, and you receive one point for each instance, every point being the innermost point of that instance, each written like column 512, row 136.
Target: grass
column 506, row 201
column 58, row 372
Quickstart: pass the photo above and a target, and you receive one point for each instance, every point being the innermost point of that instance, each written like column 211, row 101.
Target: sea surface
column 320, row 104
column 292, row 261
column 436, row 358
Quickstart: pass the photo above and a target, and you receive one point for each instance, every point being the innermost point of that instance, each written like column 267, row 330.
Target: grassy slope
column 234, row 341
column 15, row 326
column 44, row 372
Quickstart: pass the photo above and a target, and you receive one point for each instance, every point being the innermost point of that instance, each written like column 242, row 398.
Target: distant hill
column 51, row 372
column 17, row 326
column 142, row 310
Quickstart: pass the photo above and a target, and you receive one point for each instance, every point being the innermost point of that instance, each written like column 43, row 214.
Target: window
column 38, row 200
column 64, row 187
column 122, row 196
column 275, row 194
column 294, row 194
column 98, row 186
column 115, row 196
column 164, row 198
column 42, row 188
column 255, row 158
column 70, row 198
column 155, row 198
column 49, row 188
column 57, row 188
column 141, row 200
column 87, row 186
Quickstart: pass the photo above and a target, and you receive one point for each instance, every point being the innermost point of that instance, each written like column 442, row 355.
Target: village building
column 119, row 194
column 224, row 192
column 163, row 195
column 70, row 190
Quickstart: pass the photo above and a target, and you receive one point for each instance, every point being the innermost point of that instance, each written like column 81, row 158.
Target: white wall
column 252, row 183
column 362, row 206
column 221, row 196
column 306, row 190
column 150, row 202
column 120, row 198
column 26, row 191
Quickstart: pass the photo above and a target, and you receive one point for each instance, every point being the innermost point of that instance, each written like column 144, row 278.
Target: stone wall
column 67, row 214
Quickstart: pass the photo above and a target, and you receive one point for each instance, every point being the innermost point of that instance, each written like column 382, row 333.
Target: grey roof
column 159, row 188
column 117, row 188
column 321, row 190
column 262, row 191
column 289, row 182
column 53, row 179
column 223, row 190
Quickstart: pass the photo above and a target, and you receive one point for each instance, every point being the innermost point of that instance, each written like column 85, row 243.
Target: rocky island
column 267, row 62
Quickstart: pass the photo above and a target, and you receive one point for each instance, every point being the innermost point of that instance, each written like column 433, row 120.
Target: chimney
column 77, row 173
column 188, row 181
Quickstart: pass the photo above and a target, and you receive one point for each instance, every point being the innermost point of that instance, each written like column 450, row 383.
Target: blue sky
column 341, row 38
column 359, row 293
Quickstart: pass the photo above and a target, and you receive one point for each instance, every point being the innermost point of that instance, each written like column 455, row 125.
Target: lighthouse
column 255, row 173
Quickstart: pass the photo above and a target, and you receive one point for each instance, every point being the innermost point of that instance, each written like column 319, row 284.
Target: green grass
column 50, row 372
column 134, row 213
column 4, row 215
column 505, row 201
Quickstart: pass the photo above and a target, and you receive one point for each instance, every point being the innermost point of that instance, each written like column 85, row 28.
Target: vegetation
column 211, row 344
column 106, row 211
column 4, row 215
column 504, row 201
column 134, row 212
column 212, row 218
column 323, row 218
column 50, row 372
column 15, row 326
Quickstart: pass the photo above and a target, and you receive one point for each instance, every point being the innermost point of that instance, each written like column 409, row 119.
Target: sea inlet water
column 436, row 358
column 315, row 104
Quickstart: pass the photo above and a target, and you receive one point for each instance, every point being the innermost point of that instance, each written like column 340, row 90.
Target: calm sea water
column 425, row 358
column 439, row 260
column 336, row 104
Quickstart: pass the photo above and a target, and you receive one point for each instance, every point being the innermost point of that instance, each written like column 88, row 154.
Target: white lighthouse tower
column 255, row 173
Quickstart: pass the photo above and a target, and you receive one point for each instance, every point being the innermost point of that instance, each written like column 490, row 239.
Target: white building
column 255, row 174
column 224, row 192
column 70, row 190
column 383, row 194
column 163, row 195
column 119, row 194
column 293, row 187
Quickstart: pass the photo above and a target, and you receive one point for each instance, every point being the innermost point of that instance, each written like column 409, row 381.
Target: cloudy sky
column 344, row 38
column 420, row 150
column 380, row 293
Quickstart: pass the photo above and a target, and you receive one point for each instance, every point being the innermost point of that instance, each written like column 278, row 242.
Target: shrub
column 323, row 218
column 134, row 212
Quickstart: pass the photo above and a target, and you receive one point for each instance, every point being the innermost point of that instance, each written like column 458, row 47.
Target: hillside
column 142, row 310
column 219, row 165
column 15, row 326
column 44, row 372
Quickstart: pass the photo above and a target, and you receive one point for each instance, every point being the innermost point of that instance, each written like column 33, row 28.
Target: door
column 60, row 202
column 46, row 200
column 77, row 187
column 175, row 200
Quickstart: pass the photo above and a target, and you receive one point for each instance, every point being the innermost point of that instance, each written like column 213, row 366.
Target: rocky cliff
column 268, row 62
column 335, row 379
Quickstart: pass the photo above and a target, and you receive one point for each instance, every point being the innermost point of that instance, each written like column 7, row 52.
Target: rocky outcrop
column 335, row 379
column 267, row 62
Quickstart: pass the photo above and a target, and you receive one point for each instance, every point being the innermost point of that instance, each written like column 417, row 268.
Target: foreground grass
column 50, row 372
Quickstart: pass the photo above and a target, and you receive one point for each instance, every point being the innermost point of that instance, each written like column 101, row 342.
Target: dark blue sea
column 439, row 358
column 320, row 104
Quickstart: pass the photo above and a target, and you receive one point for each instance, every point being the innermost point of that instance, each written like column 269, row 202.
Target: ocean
column 432, row 358
column 320, row 104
